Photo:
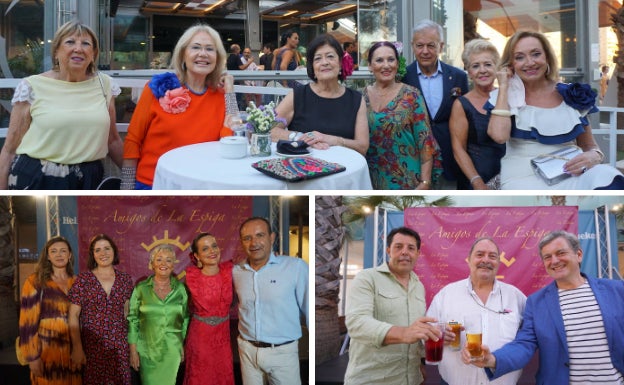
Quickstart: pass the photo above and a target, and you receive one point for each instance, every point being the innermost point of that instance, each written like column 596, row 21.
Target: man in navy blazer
column 440, row 84
column 575, row 322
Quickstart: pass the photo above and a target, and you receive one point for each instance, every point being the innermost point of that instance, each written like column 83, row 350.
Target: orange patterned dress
column 44, row 331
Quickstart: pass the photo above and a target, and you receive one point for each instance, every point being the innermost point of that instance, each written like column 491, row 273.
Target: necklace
column 389, row 90
column 195, row 92
column 327, row 92
column 162, row 286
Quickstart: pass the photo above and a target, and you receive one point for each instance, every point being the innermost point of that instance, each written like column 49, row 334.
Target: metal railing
column 136, row 79
column 611, row 129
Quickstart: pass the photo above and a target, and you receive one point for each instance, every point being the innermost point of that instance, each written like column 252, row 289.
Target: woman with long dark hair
column 97, row 317
column 43, row 324
column 208, row 352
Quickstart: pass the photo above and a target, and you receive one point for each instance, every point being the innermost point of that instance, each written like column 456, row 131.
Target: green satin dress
column 158, row 328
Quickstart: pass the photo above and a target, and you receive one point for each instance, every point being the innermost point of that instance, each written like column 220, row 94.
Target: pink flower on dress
column 175, row 101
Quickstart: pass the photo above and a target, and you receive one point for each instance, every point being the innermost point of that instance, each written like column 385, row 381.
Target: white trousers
column 274, row 366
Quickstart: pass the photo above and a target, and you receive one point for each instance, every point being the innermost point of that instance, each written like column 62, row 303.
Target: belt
column 260, row 344
column 212, row 321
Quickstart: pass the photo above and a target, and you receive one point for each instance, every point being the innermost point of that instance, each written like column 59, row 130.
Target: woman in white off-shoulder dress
column 535, row 115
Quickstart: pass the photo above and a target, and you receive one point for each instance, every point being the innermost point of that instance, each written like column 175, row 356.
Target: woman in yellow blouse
column 63, row 120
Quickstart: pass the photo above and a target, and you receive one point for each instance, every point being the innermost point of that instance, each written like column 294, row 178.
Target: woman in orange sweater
column 181, row 108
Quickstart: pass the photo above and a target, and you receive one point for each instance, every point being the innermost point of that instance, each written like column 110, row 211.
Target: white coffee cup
column 233, row 147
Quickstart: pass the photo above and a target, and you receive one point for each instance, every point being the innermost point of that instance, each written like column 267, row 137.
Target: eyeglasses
column 502, row 311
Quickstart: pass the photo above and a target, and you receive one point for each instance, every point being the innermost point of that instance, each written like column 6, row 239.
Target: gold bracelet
column 425, row 182
column 503, row 113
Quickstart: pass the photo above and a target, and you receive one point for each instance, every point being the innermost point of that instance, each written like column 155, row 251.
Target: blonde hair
column 177, row 59
column 476, row 46
column 161, row 249
column 507, row 57
column 71, row 28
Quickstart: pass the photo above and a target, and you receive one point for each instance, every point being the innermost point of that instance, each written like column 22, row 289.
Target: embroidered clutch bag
column 297, row 169
column 550, row 166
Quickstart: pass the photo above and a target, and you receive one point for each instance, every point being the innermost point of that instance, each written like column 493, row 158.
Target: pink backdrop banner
column 138, row 224
column 448, row 232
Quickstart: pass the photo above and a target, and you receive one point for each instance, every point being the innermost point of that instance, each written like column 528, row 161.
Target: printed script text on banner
column 137, row 224
column 448, row 232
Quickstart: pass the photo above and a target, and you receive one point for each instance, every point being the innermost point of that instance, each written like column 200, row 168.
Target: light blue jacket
column 543, row 329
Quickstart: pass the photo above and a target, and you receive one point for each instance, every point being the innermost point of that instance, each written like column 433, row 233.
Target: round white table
column 200, row 167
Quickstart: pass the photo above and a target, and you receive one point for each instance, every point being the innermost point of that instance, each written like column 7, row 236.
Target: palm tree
column 558, row 200
column 330, row 233
column 357, row 205
column 7, row 258
column 618, row 27
column 8, row 313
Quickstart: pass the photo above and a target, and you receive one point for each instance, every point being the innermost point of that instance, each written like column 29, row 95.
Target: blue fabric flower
column 578, row 96
column 162, row 83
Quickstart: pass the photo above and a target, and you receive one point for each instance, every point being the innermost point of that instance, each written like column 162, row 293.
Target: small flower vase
column 260, row 144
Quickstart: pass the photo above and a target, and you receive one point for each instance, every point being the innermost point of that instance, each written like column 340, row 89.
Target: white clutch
column 550, row 166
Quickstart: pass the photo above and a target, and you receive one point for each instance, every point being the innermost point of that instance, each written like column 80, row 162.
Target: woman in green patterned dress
column 403, row 154
column 158, row 319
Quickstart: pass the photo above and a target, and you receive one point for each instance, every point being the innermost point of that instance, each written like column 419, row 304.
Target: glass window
column 131, row 43
column 21, row 42
column 497, row 21
column 377, row 22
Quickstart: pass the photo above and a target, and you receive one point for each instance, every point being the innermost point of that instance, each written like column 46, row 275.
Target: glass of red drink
column 434, row 349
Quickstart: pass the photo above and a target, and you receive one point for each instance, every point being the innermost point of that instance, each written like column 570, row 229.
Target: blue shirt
column 432, row 88
column 271, row 300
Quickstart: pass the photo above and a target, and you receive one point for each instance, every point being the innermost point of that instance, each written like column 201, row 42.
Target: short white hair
column 427, row 24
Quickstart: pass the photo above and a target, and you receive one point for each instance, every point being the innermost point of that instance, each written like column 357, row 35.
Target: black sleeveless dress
column 484, row 152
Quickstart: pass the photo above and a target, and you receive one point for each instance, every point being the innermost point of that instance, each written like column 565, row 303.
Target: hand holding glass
column 434, row 349
column 472, row 325
column 456, row 329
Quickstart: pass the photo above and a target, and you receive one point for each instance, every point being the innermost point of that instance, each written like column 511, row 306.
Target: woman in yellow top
column 63, row 120
column 43, row 324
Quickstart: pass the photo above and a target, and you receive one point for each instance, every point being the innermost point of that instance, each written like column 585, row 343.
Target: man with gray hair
column 440, row 85
column 499, row 304
column 575, row 322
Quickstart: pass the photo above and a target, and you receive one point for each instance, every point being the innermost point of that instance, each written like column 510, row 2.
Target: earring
column 199, row 264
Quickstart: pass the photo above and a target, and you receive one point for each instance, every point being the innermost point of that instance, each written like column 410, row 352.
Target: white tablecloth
column 199, row 167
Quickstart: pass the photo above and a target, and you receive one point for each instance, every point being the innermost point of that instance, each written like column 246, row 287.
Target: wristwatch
column 293, row 135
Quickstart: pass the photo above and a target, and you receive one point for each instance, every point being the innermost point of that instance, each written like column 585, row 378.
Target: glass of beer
column 473, row 328
column 434, row 349
column 456, row 329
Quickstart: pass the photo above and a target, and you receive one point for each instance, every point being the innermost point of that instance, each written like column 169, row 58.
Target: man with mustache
column 500, row 305
column 385, row 317
column 575, row 322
